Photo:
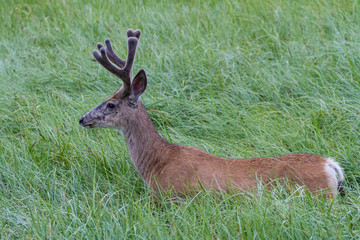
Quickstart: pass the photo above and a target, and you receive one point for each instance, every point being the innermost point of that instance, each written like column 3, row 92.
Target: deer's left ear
column 138, row 85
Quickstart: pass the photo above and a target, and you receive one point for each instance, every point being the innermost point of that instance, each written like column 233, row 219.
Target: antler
column 123, row 70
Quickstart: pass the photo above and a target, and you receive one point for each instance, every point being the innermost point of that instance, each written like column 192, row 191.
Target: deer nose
column 81, row 120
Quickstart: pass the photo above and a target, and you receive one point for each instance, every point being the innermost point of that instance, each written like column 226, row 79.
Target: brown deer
column 166, row 166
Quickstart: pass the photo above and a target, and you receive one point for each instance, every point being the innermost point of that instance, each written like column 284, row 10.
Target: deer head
column 116, row 111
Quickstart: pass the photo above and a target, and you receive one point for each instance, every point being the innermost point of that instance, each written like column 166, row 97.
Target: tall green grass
column 235, row 78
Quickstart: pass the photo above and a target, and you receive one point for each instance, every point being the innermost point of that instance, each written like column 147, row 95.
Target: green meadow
column 237, row 79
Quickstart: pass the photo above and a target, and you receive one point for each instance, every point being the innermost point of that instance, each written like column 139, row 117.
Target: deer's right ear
column 138, row 85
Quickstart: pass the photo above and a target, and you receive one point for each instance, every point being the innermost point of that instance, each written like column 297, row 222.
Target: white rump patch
column 334, row 173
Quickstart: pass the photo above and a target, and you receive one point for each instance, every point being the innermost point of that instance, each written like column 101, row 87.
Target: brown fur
column 178, row 168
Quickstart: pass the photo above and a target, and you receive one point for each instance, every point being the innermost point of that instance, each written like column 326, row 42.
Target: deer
column 165, row 166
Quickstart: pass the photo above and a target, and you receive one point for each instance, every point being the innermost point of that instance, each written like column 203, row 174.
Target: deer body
column 166, row 166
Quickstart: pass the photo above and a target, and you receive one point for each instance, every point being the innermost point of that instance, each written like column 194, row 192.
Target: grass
column 235, row 78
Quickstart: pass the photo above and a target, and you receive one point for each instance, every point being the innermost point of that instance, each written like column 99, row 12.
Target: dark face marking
column 108, row 114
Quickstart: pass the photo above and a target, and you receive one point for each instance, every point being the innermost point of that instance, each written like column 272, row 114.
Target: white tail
column 166, row 166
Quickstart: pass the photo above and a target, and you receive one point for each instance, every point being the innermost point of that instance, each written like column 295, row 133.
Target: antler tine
column 132, row 33
column 103, row 60
column 112, row 55
column 107, row 54
column 132, row 45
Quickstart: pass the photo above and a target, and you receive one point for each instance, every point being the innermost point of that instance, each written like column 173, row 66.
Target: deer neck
column 144, row 143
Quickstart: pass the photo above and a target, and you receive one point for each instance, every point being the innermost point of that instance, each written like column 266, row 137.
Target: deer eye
column 111, row 105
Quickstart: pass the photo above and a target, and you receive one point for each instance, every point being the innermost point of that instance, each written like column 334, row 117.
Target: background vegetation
column 235, row 78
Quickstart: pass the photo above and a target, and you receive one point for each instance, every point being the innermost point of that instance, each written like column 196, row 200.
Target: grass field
column 234, row 78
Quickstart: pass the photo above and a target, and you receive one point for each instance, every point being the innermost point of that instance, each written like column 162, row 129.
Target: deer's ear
column 138, row 85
